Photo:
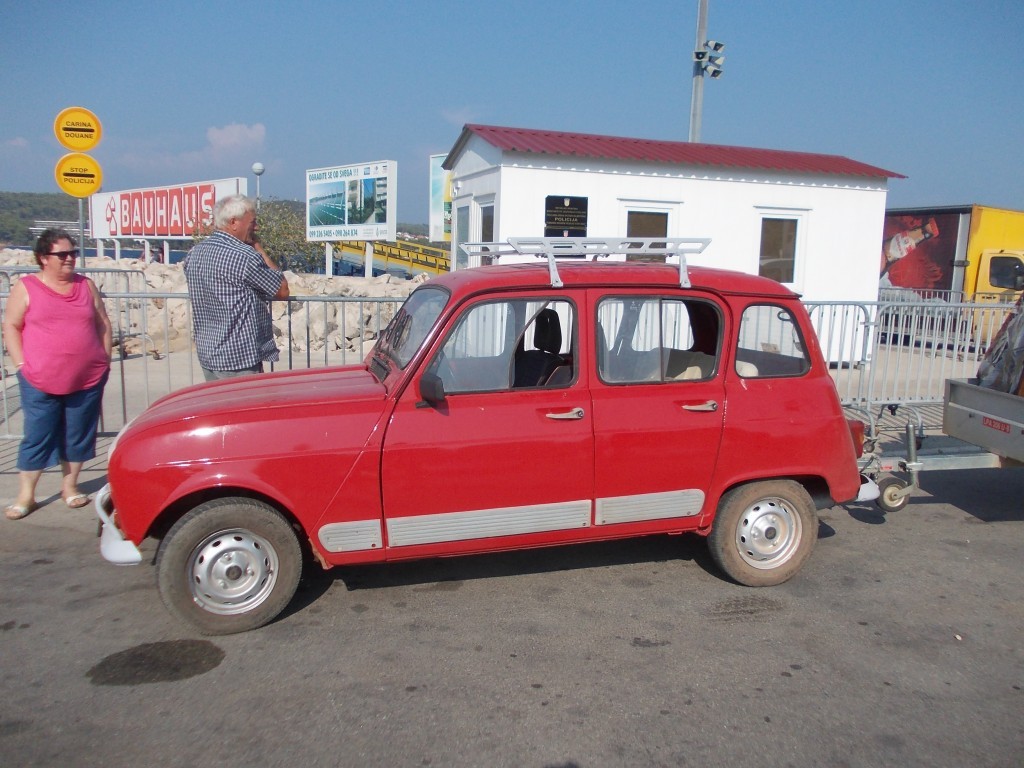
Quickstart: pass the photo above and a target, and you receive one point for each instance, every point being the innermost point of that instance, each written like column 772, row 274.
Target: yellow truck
column 970, row 254
column 955, row 253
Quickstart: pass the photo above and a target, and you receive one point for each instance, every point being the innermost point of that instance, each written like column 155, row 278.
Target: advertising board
column 440, row 201
column 352, row 202
column 179, row 211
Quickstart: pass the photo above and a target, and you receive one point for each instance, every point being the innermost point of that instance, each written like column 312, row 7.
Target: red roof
column 669, row 152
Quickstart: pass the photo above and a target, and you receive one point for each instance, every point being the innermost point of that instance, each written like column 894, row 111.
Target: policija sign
column 78, row 174
column 565, row 216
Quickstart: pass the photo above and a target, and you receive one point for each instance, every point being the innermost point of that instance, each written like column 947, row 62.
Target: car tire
column 229, row 565
column 764, row 532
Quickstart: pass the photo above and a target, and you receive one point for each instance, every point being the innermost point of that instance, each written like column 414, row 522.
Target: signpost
column 78, row 174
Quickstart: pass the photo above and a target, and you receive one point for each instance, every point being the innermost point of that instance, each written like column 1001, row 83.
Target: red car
column 503, row 407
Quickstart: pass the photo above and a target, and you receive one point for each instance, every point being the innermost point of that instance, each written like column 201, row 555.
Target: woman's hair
column 47, row 240
column 233, row 207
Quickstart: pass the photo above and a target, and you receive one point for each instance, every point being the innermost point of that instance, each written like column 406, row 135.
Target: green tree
column 282, row 232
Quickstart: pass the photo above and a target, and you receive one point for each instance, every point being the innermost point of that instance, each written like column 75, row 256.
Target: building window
column 487, row 223
column 461, row 236
column 646, row 224
column 778, row 249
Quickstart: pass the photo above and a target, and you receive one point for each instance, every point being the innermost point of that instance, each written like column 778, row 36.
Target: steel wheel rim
column 232, row 572
column 768, row 533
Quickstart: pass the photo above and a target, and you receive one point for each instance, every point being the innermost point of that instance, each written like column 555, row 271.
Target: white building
column 811, row 221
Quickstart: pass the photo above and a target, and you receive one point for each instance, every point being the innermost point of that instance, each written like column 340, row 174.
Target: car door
column 658, row 407
column 492, row 465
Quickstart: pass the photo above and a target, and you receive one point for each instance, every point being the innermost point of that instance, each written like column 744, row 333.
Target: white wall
column 840, row 218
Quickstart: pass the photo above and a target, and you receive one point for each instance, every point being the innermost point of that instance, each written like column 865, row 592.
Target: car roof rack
column 592, row 249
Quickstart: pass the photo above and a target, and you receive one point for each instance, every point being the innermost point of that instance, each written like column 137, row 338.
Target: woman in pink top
column 59, row 339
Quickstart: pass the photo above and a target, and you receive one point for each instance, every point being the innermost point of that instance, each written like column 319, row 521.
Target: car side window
column 657, row 339
column 770, row 344
column 511, row 344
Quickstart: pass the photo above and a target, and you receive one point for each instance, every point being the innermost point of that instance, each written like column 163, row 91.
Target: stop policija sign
column 79, row 175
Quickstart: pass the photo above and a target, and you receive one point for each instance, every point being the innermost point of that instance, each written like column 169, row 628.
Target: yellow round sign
column 78, row 175
column 77, row 128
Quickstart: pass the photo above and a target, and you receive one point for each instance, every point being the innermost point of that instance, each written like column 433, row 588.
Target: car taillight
column 857, row 430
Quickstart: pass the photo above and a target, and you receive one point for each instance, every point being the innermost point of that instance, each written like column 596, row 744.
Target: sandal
column 77, row 500
column 18, row 511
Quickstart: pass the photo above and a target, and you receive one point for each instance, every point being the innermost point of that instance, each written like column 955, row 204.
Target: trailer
column 984, row 414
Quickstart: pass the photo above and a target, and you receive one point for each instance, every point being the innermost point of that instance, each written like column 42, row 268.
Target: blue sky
column 191, row 91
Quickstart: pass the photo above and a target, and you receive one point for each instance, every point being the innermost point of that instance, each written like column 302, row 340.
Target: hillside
column 19, row 210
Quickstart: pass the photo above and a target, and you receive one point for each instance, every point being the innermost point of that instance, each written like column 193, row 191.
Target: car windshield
column 407, row 329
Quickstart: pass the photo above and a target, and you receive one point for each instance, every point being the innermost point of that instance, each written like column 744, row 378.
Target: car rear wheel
column 229, row 565
column 764, row 532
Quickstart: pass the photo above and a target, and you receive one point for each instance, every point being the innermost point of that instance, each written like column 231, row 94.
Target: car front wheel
column 229, row 565
column 764, row 532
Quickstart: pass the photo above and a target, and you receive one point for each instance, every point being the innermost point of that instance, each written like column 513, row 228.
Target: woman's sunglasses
column 65, row 255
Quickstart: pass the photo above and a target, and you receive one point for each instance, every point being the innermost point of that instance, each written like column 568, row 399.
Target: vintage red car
column 504, row 407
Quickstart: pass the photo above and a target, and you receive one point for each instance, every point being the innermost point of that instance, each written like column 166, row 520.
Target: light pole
column 706, row 61
column 258, row 169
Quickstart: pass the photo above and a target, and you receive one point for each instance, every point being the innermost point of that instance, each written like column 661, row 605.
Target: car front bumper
column 114, row 547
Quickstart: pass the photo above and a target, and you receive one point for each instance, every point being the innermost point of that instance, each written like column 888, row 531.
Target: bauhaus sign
column 175, row 212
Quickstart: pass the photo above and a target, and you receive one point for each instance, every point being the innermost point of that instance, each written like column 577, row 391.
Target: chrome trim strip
column 353, row 536
column 648, row 506
column 485, row 523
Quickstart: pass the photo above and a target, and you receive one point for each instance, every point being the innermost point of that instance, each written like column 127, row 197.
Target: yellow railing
column 413, row 257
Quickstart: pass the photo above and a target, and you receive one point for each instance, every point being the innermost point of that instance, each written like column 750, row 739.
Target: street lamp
column 258, row 169
column 706, row 61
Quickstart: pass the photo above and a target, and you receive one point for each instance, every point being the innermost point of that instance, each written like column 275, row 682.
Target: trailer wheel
column 888, row 490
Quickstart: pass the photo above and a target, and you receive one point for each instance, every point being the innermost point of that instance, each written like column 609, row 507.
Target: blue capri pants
column 58, row 427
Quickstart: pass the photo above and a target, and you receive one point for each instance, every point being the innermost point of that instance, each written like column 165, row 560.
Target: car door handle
column 709, row 405
column 575, row 413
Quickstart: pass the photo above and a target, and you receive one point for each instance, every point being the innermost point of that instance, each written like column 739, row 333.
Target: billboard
column 919, row 250
column 352, row 202
column 177, row 212
column 440, row 201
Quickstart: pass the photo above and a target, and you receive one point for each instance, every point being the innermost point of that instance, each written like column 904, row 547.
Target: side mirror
column 431, row 388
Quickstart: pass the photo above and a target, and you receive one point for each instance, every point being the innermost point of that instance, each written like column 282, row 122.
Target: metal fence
column 889, row 359
column 154, row 353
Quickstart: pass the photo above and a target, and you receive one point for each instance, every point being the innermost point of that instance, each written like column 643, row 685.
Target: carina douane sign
column 180, row 211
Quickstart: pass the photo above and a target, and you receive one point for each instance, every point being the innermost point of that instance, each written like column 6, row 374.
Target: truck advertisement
column 957, row 253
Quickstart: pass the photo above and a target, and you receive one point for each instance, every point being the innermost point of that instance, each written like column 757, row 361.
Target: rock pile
column 345, row 326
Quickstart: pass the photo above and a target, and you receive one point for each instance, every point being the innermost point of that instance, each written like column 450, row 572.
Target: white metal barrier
column 154, row 353
column 883, row 356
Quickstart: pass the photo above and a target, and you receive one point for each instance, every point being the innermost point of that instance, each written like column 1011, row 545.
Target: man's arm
column 283, row 292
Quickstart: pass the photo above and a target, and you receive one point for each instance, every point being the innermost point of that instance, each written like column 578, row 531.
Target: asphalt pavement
column 900, row 643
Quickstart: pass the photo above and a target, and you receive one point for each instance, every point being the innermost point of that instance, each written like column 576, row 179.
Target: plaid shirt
column 229, row 285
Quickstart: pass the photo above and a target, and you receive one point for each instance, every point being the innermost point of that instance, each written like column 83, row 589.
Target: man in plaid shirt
column 230, row 282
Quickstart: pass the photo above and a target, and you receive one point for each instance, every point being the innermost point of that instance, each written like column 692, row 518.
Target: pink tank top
column 61, row 341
